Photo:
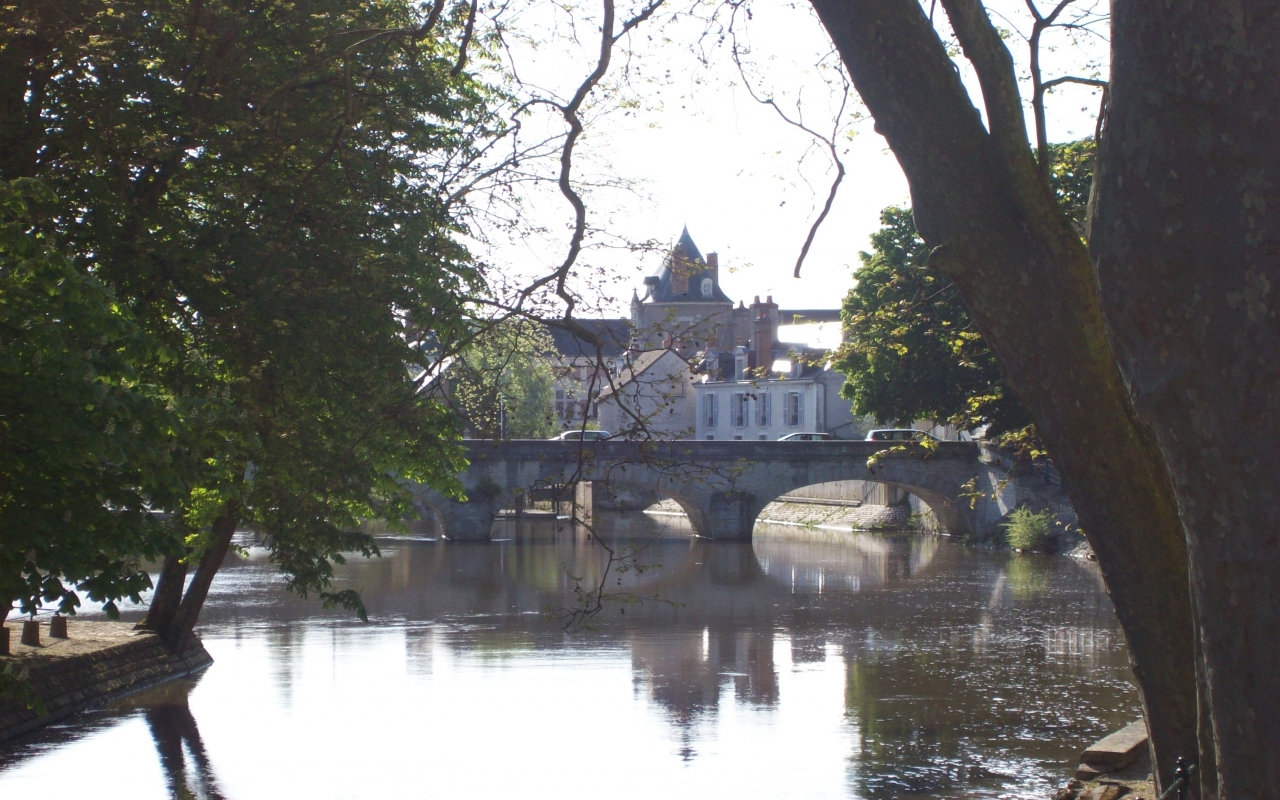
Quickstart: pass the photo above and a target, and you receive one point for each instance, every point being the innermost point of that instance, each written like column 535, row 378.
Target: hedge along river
column 803, row 664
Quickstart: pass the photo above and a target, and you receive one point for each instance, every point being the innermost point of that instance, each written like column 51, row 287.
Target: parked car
column 806, row 437
column 582, row 436
column 899, row 435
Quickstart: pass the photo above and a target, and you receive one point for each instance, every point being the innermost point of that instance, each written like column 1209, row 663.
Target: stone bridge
column 722, row 485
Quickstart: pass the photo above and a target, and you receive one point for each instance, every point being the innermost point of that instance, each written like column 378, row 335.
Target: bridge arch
column 942, row 493
column 689, row 504
column 722, row 485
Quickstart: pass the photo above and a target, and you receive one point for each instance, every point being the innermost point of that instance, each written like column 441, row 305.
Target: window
column 793, row 410
column 709, row 411
column 763, row 410
column 738, row 410
column 706, row 287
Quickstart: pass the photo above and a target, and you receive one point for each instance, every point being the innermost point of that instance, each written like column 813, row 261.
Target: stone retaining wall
column 824, row 515
column 100, row 663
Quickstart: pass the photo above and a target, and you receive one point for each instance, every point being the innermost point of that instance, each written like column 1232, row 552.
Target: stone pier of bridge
column 722, row 485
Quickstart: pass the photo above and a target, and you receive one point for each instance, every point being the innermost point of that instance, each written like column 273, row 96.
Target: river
column 805, row 664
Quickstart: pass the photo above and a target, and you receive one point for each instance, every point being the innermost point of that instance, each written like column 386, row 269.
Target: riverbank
column 824, row 515
column 99, row 662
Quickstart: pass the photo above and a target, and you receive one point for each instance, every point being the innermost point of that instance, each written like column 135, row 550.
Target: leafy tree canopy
column 911, row 350
column 267, row 192
column 502, row 384
column 87, row 446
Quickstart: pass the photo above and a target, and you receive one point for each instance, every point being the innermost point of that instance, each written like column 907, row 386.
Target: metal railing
column 1181, row 780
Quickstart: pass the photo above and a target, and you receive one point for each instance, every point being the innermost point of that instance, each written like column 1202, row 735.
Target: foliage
column 86, row 445
column 911, row 350
column 1071, row 178
column 1028, row 530
column 264, row 188
column 502, row 385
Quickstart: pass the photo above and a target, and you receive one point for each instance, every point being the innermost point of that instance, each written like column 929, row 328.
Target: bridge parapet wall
column 722, row 485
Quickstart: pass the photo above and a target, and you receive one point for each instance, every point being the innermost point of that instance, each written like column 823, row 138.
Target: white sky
column 699, row 151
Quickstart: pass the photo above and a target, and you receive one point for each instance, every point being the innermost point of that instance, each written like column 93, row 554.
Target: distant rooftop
column 686, row 250
column 615, row 336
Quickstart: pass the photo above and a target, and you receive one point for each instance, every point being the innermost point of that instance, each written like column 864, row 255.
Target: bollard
column 31, row 632
column 58, row 627
column 4, row 641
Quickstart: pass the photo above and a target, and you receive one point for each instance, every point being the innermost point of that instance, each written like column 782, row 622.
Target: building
column 652, row 397
column 689, row 363
column 765, row 389
column 582, row 369
column 684, row 305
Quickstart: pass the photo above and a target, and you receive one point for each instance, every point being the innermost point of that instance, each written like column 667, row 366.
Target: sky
column 675, row 123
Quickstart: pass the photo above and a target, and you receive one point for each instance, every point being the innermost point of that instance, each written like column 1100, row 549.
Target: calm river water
column 801, row 665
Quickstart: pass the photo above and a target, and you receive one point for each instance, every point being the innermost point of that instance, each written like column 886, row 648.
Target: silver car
column 582, row 436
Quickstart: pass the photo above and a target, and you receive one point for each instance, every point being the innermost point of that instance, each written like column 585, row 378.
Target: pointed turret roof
column 686, row 249
column 691, row 250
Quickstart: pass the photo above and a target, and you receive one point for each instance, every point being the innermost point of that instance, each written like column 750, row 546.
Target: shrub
column 1028, row 530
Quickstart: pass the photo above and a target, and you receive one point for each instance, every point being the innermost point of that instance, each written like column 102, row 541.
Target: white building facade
column 771, row 409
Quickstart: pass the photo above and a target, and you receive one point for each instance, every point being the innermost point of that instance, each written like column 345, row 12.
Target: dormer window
column 706, row 287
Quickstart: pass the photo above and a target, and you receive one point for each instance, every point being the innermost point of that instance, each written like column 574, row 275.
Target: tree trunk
column 981, row 203
column 188, row 613
column 1186, row 234
column 166, row 599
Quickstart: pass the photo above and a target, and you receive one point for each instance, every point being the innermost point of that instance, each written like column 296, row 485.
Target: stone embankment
column 97, row 663
column 1117, row 766
column 825, row 515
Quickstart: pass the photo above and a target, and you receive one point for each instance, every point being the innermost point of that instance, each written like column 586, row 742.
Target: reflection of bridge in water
column 721, row 485
column 685, row 581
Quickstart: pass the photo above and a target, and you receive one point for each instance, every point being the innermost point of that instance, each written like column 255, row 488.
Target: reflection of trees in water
column 183, row 758
column 1029, row 575
column 947, row 649
column 991, row 684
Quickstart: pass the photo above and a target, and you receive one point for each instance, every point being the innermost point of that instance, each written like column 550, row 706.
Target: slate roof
column 686, row 243
column 615, row 335
column 686, row 247
column 639, row 365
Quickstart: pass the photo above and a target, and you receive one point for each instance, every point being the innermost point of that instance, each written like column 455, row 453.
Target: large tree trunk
column 1186, row 234
column 996, row 231
column 166, row 599
column 188, row 612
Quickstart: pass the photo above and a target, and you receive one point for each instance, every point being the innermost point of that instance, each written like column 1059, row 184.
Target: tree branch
column 828, row 141
column 1072, row 79
column 993, row 63
column 466, row 40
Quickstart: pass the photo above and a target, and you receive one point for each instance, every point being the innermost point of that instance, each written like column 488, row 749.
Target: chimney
column 765, row 317
column 713, row 266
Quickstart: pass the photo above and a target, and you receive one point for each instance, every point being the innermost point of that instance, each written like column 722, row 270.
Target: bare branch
column 828, row 141
column 1072, row 79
